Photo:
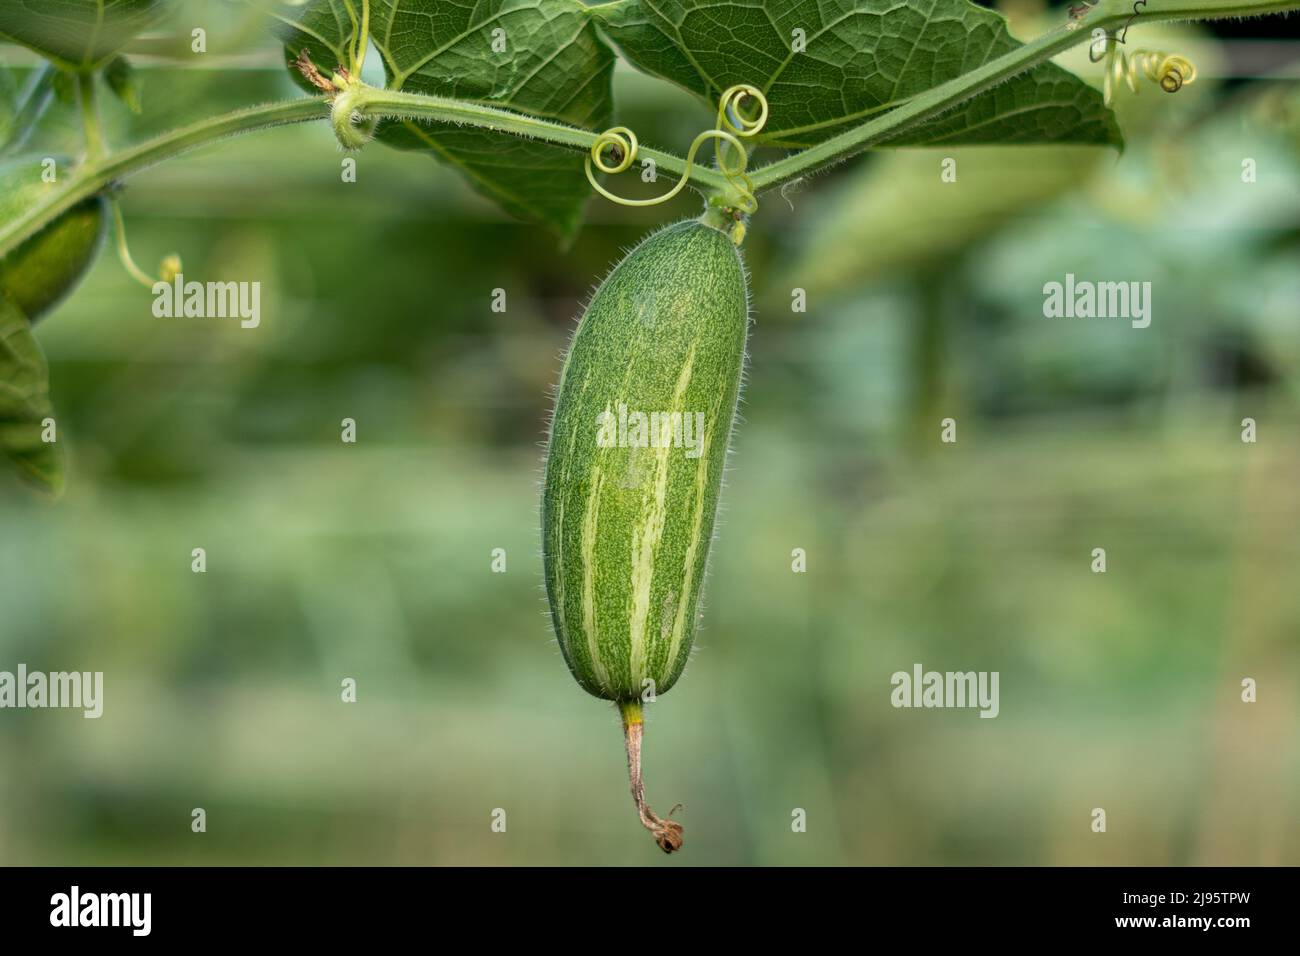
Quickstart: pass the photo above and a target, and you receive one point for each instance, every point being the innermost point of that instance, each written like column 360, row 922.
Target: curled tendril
column 168, row 269
column 343, row 89
column 615, row 151
column 352, row 129
column 1171, row 71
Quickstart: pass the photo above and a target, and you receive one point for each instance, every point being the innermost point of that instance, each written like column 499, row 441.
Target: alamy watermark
column 82, row 690
column 76, row 909
column 1098, row 300
column 651, row 430
column 209, row 300
column 922, row 688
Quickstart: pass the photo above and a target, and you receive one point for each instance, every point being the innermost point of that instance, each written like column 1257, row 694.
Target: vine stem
column 667, row 833
column 97, row 174
column 371, row 101
column 95, row 145
column 363, row 39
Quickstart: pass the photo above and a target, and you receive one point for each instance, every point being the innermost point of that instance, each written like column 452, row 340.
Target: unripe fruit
column 627, row 528
column 39, row 273
column 629, row 501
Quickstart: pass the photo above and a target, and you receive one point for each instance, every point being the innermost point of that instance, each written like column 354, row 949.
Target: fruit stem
column 667, row 833
column 715, row 217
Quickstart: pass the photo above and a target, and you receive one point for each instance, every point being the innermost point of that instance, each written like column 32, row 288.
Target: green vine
column 95, row 145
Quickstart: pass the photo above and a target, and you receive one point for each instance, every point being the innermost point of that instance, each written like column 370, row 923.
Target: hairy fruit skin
column 44, row 269
column 626, row 529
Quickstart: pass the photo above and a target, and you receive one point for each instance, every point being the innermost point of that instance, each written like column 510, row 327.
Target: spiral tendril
column 730, row 152
column 168, row 269
column 352, row 129
column 1170, row 70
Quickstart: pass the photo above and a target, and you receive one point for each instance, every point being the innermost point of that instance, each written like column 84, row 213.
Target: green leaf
column 124, row 81
column 860, row 58
column 553, row 65
column 25, row 402
column 78, row 35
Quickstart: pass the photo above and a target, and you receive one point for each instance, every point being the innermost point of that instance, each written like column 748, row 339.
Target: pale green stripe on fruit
column 645, row 539
column 590, row 518
column 697, row 524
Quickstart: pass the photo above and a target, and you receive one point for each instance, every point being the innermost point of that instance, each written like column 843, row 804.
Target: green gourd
column 637, row 449
column 46, row 267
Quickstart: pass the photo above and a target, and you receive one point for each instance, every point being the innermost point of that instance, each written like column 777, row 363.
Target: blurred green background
column 373, row 561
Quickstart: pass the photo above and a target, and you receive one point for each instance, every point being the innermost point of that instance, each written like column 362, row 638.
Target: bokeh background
column 372, row 561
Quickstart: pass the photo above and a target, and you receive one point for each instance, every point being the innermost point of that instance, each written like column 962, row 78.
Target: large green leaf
column 860, row 58
column 554, row 65
column 78, row 34
column 25, row 401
